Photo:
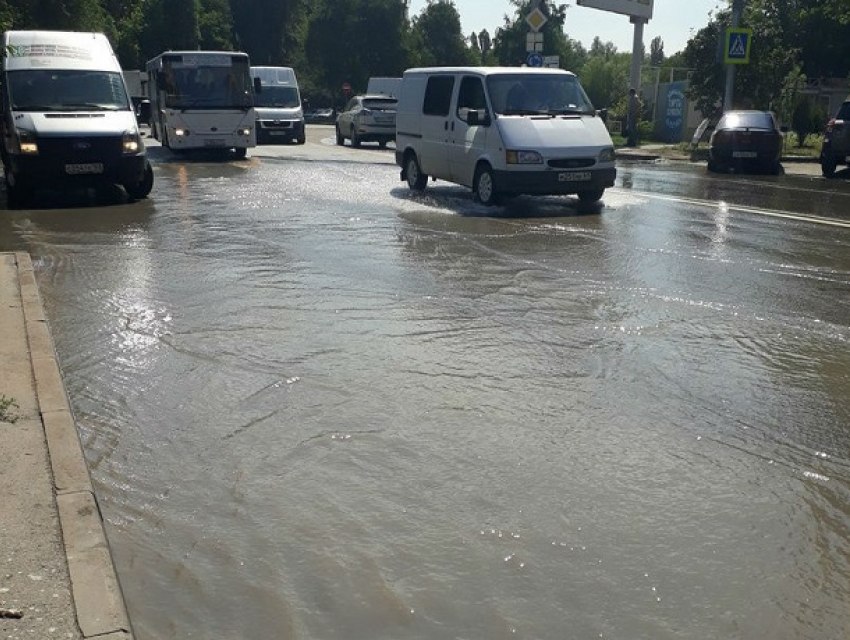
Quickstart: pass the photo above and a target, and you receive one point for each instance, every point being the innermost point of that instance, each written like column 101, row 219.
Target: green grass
column 7, row 405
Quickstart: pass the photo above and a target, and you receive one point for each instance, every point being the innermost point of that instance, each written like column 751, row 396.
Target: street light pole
column 737, row 11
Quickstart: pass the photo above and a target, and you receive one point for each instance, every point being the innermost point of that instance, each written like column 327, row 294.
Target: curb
column 98, row 600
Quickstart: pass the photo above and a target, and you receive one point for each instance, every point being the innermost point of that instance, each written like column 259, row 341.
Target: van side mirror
column 478, row 118
column 258, row 86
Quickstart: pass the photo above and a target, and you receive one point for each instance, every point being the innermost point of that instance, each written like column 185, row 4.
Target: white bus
column 202, row 100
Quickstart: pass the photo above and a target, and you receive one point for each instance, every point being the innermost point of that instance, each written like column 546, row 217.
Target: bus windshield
column 66, row 90
column 213, row 82
column 538, row 94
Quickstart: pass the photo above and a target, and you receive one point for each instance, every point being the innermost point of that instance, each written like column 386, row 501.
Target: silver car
column 367, row 118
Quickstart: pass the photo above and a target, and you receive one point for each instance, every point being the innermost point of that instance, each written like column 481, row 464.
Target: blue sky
column 674, row 20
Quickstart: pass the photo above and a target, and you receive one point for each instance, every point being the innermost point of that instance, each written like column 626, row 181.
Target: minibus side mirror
column 478, row 118
column 258, row 86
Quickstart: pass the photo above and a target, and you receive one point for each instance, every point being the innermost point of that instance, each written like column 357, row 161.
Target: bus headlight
column 26, row 139
column 131, row 142
column 606, row 155
column 181, row 133
column 523, row 157
column 246, row 131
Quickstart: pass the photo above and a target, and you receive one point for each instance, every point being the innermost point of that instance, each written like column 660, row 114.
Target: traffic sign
column 534, row 60
column 536, row 19
column 737, row 49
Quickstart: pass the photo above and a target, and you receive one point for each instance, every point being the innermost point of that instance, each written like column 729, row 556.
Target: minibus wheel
column 16, row 194
column 416, row 180
column 141, row 189
column 484, row 187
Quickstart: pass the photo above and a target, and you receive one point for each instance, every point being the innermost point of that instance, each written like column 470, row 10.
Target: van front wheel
column 416, row 180
column 590, row 196
column 484, row 187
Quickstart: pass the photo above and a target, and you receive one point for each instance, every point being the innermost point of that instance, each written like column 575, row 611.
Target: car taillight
column 830, row 125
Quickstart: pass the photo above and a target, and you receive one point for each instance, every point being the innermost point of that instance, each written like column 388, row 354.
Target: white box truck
column 503, row 131
column 280, row 115
column 67, row 119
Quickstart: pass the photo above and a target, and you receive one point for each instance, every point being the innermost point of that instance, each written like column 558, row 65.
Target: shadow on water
column 75, row 211
column 460, row 201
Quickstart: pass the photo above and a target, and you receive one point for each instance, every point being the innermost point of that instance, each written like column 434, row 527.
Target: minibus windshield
column 67, row 90
column 538, row 94
column 277, row 96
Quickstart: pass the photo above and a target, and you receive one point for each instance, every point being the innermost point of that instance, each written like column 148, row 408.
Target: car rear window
column 379, row 104
column 754, row 120
column 843, row 112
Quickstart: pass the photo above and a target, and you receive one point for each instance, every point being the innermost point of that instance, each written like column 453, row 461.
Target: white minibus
column 67, row 118
column 280, row 116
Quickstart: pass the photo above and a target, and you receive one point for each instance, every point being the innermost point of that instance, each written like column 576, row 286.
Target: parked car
column 746, row 140
column 836, row 141
column 367, row 118
column 320, row 116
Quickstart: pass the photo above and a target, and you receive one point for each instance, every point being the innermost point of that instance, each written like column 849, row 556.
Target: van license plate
column 214, row 142
column 574, row 176
column 80, row 169
column 745, row 154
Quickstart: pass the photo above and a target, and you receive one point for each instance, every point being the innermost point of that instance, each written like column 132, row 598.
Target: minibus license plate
column 574, row 176
column 79, row 169
column 214, row 142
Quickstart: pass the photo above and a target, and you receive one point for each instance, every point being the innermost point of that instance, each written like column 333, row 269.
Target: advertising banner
column 635, row 8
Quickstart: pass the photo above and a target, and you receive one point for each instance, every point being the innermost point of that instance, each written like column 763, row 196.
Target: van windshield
column 538, row 94
column 67, row 90
column 277, row 96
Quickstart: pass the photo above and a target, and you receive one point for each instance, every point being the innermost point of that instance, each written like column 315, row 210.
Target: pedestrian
column 632, row 118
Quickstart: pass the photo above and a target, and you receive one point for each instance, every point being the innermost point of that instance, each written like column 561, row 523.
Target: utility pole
column 637, row 52
column 737, row 11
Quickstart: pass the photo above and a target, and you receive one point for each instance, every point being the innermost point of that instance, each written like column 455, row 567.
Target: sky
column 676, row 21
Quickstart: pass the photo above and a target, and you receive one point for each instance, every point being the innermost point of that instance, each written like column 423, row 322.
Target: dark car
column 836, row 141
column 746, row 140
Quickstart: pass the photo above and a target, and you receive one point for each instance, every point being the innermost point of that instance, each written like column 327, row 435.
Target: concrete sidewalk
column 57, row 577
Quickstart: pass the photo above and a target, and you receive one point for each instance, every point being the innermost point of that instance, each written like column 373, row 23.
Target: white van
column 67, row 118
column 502, row 131
column 280, row 116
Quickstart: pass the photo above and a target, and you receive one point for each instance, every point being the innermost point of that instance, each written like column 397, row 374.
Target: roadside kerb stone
column 98, row 599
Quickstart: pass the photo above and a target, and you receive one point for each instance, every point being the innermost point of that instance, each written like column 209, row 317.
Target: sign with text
column 634, row 8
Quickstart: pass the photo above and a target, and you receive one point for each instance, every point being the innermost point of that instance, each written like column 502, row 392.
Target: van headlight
column 523, row 157
column 181, row 133
column 244, row 131
column 26, row 139
column 131, row 142
column 606, row 155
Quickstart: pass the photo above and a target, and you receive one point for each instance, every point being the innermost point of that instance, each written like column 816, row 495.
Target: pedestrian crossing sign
column 737, row 50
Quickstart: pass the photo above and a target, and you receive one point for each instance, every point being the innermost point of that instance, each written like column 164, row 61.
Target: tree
column 439, row 38
column 656, row 52
column 342, row 46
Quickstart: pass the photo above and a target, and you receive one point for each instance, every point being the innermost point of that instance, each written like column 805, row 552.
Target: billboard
column 635, row 8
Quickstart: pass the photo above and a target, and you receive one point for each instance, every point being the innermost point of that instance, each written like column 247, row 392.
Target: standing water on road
column 318, row 407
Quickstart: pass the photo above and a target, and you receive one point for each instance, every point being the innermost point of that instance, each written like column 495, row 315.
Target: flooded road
column 318, row 407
